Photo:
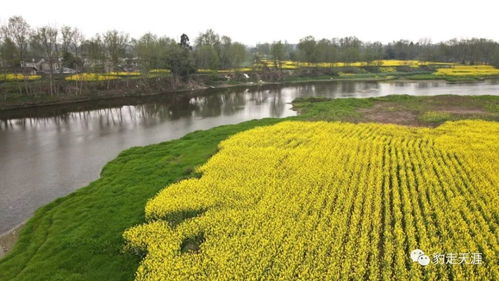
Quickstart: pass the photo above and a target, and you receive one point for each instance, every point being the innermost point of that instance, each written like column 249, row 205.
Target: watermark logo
column 419, row 256
column 448, row 258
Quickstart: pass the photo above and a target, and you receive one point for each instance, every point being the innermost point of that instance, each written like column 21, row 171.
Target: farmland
column 468, row 70
column 330, row 201
column 18, row 77
column 80, row 236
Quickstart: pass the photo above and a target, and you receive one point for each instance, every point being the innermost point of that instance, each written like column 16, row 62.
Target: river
column 48, row 152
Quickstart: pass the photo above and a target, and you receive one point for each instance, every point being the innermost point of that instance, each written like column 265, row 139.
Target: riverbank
column 9, row 239
column 113, row 94
column 40, row 101
column 78, row 237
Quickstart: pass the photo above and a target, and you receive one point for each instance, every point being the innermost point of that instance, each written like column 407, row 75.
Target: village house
column 42, row 66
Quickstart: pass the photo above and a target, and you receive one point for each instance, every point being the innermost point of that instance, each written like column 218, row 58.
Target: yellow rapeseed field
column 331, row 201
column 100, row 76
column 468, row 70
column 18, row 77
column 241, row 69
column 385, row 65
column 124, row 73
column 379, row 63
column 91, row 77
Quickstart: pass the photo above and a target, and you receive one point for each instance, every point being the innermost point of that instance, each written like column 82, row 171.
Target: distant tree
column 262, row 50
column 184, row 41
column 238, row 54
column 232, row 54
column 277, row 53
column 18, row 32
column 147, row 51
column 208, row 38
column 225, row 52
column 208, row 50
column 70, row 42
column 372, row 51
column 8, row 54
column 495, row 57
column 350, row 49
column 93, row 51
column 325, row 51
column 180, row 60
column 46, row 39
column 306, row 49
column 16, row 36
column 115, row 44
column 66, row 38
column 71, row 61
column 207, row 57
column 9, row 59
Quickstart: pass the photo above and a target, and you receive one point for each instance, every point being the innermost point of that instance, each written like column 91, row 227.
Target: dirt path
column 411, row 113
column 9, row 238
column 390, row 114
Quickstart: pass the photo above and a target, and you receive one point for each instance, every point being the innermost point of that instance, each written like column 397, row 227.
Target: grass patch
column 316, row 108
column 424, row 77
column 435, row 117
column 447, row 78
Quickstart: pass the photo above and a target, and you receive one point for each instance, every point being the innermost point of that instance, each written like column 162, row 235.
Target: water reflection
column 48, row 152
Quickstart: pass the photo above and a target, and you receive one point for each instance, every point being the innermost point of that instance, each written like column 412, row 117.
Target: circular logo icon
column 415, row 254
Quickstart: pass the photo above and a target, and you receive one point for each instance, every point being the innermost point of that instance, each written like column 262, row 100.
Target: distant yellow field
column 468, row 70
column 386, row 65
column 122, row 73
column 382, row 63
column 18, row 77
column 100, row 76
column 241, row 69
column 331, row 201
column 91, row 77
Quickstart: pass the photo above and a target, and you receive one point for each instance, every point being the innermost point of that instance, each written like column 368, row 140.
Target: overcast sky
column 253, row 21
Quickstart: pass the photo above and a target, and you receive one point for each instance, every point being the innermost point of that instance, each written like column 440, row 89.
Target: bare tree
column 115, row 44
column 18, row 31
column 47, row 39
column 77, row 41
column 67, row 35
column 76, row 47
column 277, row 52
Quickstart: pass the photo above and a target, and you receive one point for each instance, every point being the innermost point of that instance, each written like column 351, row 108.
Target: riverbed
column 48, row 152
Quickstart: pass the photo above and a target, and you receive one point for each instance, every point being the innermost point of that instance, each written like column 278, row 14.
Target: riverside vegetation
column 95, row 86
column 46, row 65
column 79, row 236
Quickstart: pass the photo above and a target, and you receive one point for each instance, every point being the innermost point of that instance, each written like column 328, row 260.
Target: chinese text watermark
column 447, row 258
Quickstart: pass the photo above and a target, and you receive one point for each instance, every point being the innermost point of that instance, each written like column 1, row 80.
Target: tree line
column 67, row 47
column 351, row 49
